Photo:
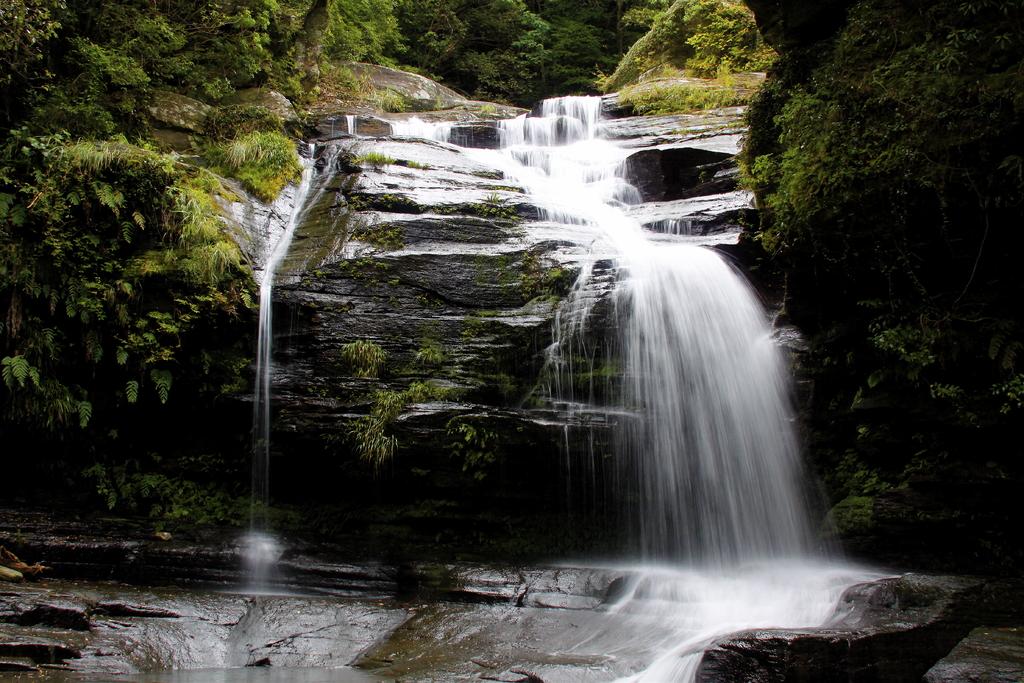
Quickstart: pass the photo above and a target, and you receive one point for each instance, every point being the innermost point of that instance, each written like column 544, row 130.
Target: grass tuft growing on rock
column 364, row 358
column 264, row 161
column 374, row 159
column 681, row 97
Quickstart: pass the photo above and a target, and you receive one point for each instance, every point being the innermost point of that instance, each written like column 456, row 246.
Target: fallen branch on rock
column 11, row 561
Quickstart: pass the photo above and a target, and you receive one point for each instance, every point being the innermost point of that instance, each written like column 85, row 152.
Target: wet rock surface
column 171, row 629
column 890, row 630
column 427, row 252
column 986, row 655
column 456, row 621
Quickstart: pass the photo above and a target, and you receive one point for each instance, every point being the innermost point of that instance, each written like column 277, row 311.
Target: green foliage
column 674, row 98
column 387, row 236
column 703, row 37
column 890, row 189
column 362, row 30
column 364, row 358
column 476, row 446
column 265, row 161
column 370, row 434
column 375, row 159
column 85, row 229
column 541, row 280
column 430, row 354
column 390, row 100
column 853, row 515
column 239, row 120
column 125, row 489
column 105, row 59
column 516, row 51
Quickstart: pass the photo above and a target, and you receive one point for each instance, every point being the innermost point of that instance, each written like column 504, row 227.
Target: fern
column 16, row 371
column 131, row 391
column 84, row 413
column 109, row 197
column 162, row 380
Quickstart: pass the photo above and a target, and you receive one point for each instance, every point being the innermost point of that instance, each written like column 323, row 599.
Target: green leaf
column 131, row 391
column 162, row 380
column 84, row 413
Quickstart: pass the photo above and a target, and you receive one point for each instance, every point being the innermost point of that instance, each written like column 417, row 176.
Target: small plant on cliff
column 374, row 159
column 477, row 447
column 674, row 98
column 373, row 444
column 364, row 358
column 389, row 100
column 430, row 354
column 265, row 161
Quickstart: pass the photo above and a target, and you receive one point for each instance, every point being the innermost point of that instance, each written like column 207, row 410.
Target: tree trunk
column 310, row 43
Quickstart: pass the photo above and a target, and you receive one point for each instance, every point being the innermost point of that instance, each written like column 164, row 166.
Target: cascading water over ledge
column 707, row 471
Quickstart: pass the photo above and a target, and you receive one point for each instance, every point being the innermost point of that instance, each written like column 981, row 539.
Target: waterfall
column 708, row 461
column 259, row 548
column 264, row 349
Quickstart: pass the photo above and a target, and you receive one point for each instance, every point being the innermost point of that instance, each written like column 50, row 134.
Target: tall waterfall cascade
column 708, row 458
column 708, row 464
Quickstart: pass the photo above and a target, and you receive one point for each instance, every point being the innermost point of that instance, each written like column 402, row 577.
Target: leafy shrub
column 227, row 123
column 364, row 358
column 165, row 498
column 702, row 37
column 891, row 190
column 674, row 98
column 87, row 228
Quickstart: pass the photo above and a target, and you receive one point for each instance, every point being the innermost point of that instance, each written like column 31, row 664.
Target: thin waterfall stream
column 708, row 470
column 261, row 549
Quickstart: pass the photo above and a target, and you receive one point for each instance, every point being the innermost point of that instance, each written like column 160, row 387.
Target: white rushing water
column 264, row 350
column 709, row 467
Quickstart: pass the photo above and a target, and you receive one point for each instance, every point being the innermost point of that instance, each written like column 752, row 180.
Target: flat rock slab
column 131, row 630
column 695, row 216
column 986, row 655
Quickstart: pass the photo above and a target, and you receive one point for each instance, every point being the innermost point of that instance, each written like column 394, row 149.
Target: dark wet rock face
column 893, row 630
column 986, row 655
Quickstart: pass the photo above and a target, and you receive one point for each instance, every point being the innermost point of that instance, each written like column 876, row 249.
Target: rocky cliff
column 413, row 312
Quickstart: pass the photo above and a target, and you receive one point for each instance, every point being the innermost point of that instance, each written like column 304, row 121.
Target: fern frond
column 84, row 413
column 162, row 380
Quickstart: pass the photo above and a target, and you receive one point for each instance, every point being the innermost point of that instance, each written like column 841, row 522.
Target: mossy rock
column 178, row 111
column 272, row 100
column 854, row 515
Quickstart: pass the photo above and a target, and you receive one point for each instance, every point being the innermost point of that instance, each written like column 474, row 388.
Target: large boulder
column 270, row 99
column 892, row 630
column 178, row 111
column 419, row 92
